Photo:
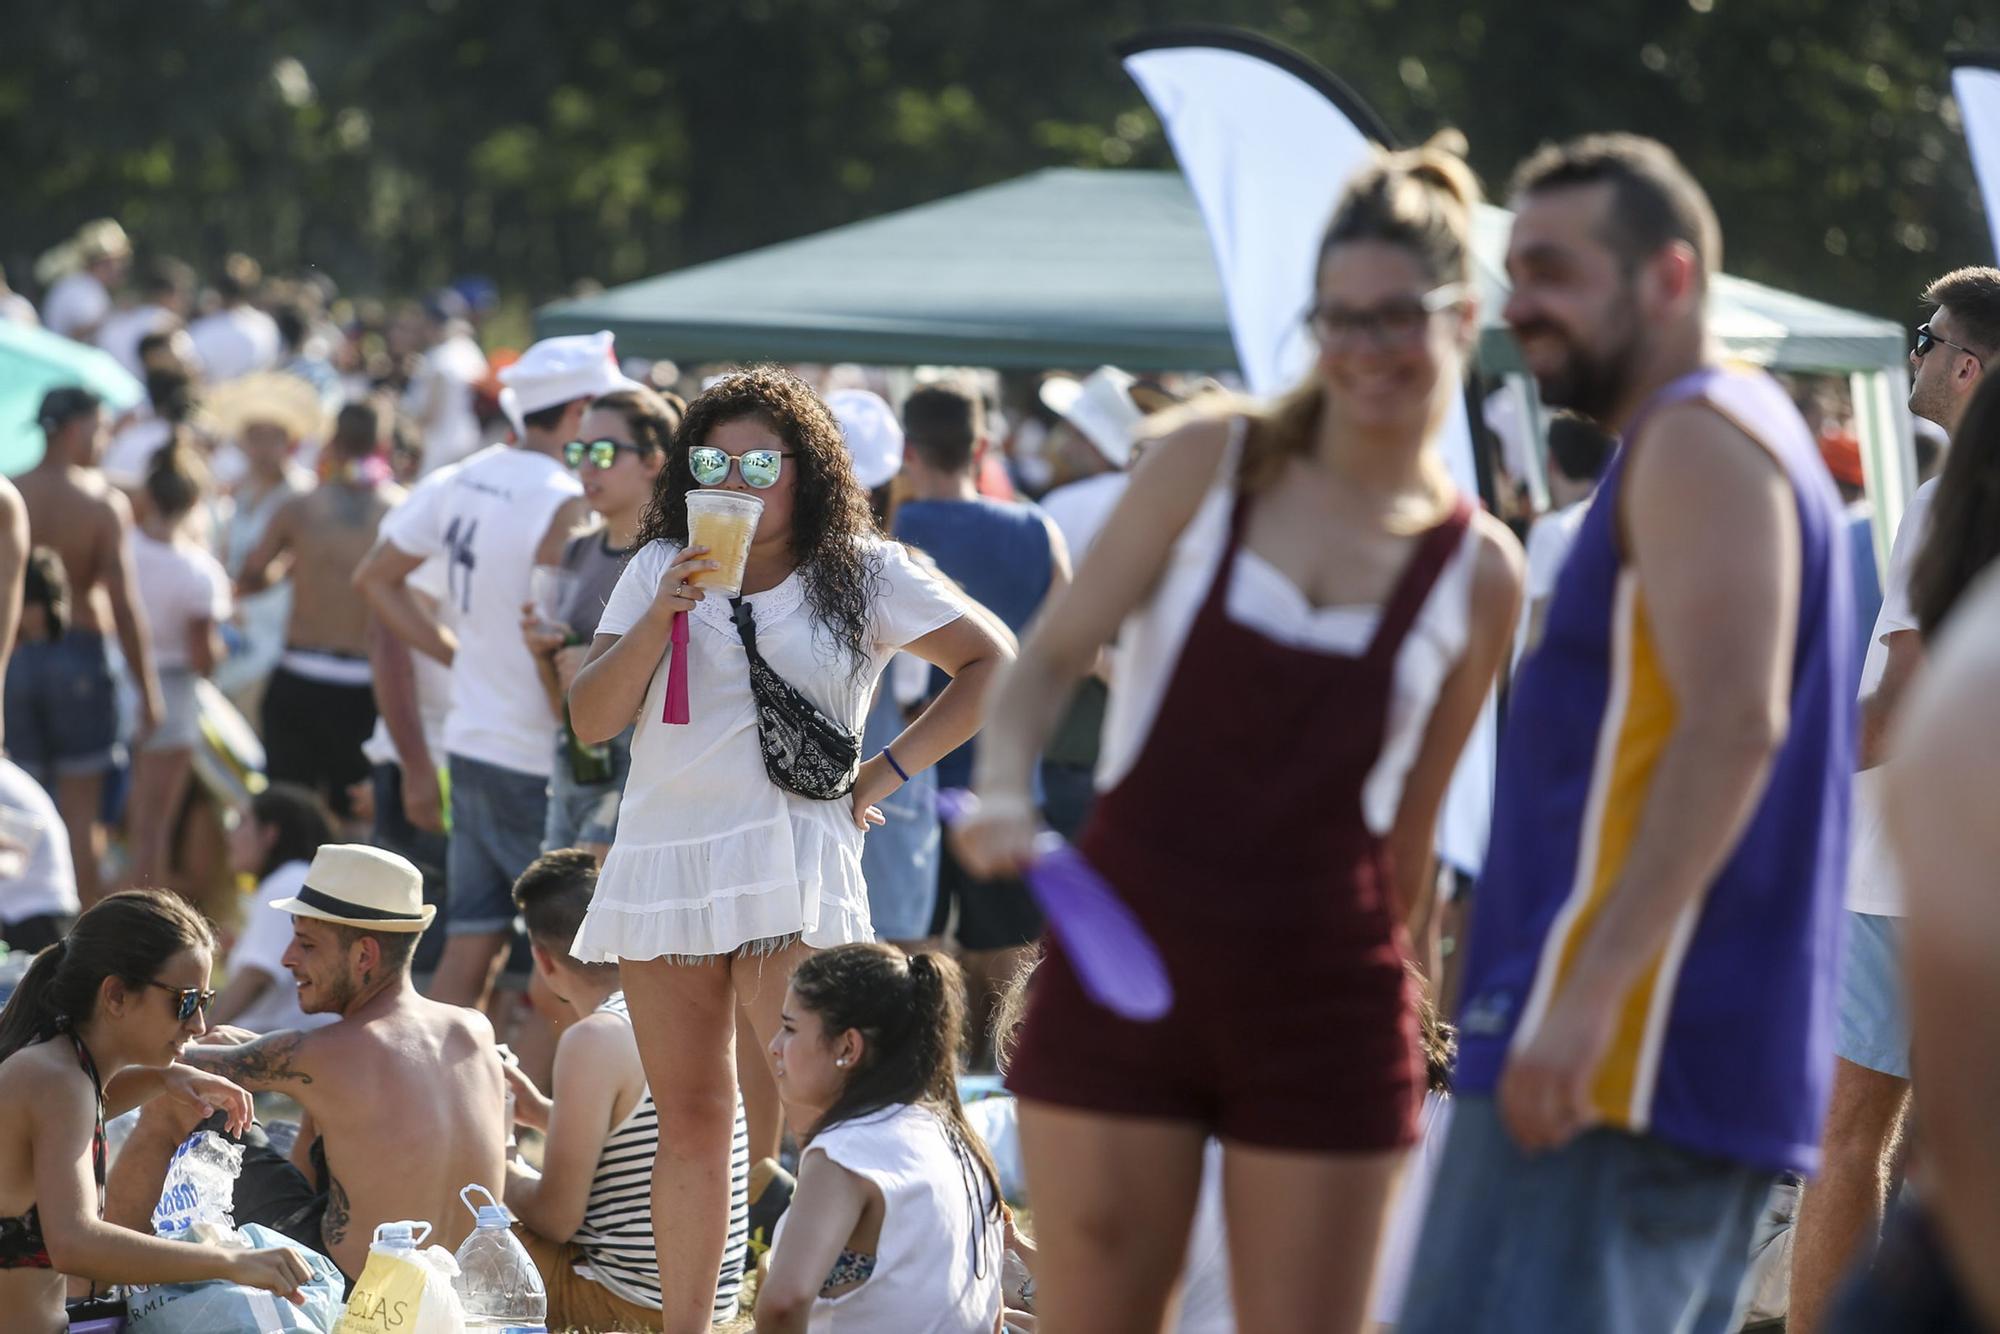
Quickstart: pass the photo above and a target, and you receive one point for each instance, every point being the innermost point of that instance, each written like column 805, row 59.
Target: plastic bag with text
column 219, row 1307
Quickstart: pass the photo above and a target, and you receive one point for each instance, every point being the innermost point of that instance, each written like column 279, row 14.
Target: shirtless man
column 404, row 1098
column 62, row 714
column 319, row 707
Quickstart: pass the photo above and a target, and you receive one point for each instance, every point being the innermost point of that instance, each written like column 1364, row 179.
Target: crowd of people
column 602, row 861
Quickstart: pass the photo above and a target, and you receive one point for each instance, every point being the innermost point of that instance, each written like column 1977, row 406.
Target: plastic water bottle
column 497, row 1283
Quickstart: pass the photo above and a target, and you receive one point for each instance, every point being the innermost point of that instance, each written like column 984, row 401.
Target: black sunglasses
column 600, row 453
column 1926, row 340
column 193, row 1000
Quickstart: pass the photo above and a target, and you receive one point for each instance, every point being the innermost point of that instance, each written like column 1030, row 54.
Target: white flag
column 1975, row 82
column 1267, row 141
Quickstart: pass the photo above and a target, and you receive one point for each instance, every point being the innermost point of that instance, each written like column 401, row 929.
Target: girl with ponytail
column 1311, row 617
column 897, row 1220
column 93, row 1031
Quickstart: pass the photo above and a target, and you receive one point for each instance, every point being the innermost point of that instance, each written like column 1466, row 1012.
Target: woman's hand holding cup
column 678, row 592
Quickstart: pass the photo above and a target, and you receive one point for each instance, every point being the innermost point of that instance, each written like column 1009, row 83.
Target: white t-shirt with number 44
column 485, row 518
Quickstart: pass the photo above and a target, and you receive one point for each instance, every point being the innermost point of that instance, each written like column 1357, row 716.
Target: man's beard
column 331, row 996
column 1592, row 381
column 1926, row 401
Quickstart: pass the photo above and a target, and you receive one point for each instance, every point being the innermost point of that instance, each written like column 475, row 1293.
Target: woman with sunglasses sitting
column 724, row 876
column 93, row 1031
column 620, row 451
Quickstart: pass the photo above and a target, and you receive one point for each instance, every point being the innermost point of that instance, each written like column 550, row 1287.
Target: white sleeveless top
column 1263, row 599
column 617, row 1229
column 938, row 1262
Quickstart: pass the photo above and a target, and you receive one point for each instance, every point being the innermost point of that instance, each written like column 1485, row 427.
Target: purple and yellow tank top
column 1724, row 1046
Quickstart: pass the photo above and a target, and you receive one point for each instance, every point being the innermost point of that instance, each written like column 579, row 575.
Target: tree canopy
column 395, row 144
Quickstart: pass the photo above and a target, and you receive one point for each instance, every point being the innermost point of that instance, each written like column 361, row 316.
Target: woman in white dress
column 897, row 1223
column 721, row 881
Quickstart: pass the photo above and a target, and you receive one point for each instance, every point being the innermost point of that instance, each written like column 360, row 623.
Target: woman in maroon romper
column 1238, row 835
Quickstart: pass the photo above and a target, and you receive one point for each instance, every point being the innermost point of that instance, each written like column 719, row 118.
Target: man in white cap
column 1099, row 408
column 487, row 518
column 404, row 1098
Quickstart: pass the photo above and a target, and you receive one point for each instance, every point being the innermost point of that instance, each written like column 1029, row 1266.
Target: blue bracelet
column 893, row 765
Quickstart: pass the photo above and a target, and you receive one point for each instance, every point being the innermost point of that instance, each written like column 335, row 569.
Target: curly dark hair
column 831, row 521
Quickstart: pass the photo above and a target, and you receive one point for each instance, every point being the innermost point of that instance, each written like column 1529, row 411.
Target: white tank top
column 938, row 1262
column 1263, row 599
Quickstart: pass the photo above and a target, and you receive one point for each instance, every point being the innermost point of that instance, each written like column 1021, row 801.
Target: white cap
column 874, row 437
column 560, row 370
column 1100, row 406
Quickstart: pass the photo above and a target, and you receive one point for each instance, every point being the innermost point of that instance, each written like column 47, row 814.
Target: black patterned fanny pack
column 804, row 750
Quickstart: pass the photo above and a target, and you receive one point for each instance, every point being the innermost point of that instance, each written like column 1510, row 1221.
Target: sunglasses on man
column 759, row 468
column 600, row 454
column 1926, row 340
column 191, row 1000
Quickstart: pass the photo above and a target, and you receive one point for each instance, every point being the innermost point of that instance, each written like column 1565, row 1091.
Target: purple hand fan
column 1114, row 960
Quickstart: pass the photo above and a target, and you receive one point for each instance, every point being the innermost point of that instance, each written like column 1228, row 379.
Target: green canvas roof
column 1068, row 267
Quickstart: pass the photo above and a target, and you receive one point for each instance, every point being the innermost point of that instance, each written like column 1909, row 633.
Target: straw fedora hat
column 356, row 885
column 281, row 400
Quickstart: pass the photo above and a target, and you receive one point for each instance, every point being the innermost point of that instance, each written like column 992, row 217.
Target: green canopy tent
column 1075, row 268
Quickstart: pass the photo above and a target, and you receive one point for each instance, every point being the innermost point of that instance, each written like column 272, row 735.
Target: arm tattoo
column 267, row 1063
column 333, row 1224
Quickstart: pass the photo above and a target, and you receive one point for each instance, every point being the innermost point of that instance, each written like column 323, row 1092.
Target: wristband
column 893, row 765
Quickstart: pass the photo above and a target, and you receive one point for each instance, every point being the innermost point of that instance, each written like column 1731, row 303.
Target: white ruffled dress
column 711, row 855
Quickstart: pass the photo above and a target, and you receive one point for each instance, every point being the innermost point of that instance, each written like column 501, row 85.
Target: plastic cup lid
column 722, row 502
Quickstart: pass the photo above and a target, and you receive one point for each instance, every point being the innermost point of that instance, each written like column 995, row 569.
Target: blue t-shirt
column 999, row 553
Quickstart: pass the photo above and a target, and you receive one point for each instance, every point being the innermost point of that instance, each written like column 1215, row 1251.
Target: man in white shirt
column 78, row 302
column 1099, row 411
column 1840, row 1215
column 440, row 397
column 163, row 305
column 487, row 519
column 238, row 338
column 1578, row 452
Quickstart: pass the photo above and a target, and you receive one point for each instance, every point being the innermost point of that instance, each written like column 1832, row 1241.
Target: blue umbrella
column 34, row 361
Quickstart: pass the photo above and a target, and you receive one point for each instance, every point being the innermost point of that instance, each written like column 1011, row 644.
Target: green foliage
column 396, row 142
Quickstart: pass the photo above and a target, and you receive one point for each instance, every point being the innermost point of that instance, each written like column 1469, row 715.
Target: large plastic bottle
column 497, row 1282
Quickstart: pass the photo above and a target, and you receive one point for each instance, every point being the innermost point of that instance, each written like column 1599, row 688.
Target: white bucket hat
column 561, row 370
column 356, row 885
column 874, row 437
column 1100, row 406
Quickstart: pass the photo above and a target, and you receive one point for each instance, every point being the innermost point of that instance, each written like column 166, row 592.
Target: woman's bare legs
column 684, row 1018
column 152, row 811
column 1304, row 1231
column 1114, row 1197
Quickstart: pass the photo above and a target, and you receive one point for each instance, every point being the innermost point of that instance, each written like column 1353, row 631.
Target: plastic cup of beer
column 724, row 522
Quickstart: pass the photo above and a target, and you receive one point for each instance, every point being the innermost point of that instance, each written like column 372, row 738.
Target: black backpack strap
column 746, row 624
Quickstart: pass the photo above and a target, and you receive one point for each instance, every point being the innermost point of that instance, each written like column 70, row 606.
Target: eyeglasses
column 1392, row 324
column 193, row 1000
column 600, row 453
column 759, row 468
column 1926, row 340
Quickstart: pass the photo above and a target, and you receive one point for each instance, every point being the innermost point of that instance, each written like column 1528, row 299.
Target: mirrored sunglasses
column 759, row 468
column 598, row 453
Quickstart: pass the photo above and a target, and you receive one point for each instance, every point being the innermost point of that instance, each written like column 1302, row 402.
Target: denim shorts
column 1611, row 1234
column 426, row 849
column 1873, row 1029
column 497, row 818
column 62, row 709
column 581, row 813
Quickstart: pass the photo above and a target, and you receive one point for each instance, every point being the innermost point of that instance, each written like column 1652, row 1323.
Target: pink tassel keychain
column 677, row 673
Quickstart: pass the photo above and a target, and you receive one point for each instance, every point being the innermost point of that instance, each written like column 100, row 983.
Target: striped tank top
column 617, row 1231
column 1724, row 1046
